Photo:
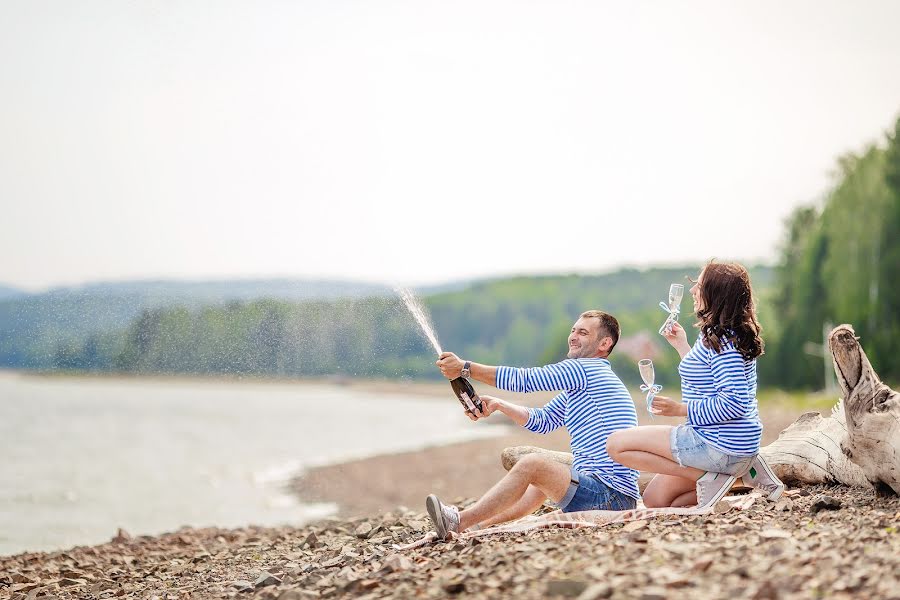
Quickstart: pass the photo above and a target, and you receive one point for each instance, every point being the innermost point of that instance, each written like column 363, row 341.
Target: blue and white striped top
column 594, row 403
column 720, row 392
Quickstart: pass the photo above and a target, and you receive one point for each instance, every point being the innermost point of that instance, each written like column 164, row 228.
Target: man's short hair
column 609, row 326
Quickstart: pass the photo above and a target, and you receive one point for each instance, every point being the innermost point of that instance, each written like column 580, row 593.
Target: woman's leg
column 648, row 448
column 668, row 490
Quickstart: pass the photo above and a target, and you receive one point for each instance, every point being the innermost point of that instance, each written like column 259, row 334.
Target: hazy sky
column 421, row 142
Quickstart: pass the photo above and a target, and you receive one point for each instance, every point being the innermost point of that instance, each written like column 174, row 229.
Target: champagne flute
column 676, row 293
column 645, row 367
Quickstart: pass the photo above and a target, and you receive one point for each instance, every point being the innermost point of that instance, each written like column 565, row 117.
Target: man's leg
column 648, row 448
column 532, row 500
column 548, row 476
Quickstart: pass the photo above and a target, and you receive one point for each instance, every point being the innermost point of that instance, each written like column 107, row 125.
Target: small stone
column 598, row 591
column 784, row 505
column 774, row 533
column 766, row 591
column 311, row 540
column 634, row 526
column 722, row 507
column 121, row 537
column 823, row 502
column 363, row 530
column 241, row 585
column 454, row 586
column 265, row 578
column 397, row 562
column 654, row 594
column 566, row 587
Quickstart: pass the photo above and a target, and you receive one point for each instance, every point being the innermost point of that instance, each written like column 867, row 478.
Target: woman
column 699, row 461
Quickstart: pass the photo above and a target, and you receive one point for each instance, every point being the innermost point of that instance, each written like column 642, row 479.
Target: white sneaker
column 763, row 477
column 711, row 487
column 444, row 516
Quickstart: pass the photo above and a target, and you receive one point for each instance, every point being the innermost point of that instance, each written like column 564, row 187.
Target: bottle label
column 468, row 402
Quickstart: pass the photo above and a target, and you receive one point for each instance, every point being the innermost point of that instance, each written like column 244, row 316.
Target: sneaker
column 711, row 487
column 445, row 517
column 763, row 477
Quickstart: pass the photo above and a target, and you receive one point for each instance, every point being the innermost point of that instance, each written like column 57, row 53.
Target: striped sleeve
column 732, row 399
column 566, row 375
column 551, row 416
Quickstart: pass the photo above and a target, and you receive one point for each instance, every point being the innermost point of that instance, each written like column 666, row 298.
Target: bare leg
column 550, row 477
column 527, row 504
column 647, row 449
column 668, row 490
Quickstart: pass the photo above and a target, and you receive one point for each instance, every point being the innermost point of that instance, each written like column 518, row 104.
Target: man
column 593, row 404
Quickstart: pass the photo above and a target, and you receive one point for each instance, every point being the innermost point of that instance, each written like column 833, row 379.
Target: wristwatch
column 465, row 370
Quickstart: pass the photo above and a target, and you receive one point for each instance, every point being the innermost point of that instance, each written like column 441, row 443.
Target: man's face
column 585, row 341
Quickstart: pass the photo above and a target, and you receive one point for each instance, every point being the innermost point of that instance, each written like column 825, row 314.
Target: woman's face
column 695, row 293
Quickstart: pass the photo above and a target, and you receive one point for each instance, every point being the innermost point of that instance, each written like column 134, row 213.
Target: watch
column 465, row 370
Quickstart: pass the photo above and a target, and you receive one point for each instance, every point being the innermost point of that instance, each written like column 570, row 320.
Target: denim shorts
column 586, row 492
column 690, row 450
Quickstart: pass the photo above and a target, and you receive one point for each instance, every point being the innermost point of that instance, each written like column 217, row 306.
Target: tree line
column 840, row 263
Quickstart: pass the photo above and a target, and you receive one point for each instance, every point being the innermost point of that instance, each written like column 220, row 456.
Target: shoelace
column 673, row 316
column 652, row 391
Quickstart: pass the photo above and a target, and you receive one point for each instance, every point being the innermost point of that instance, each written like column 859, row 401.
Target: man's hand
column 488, row 405
column 450, row 365
column 666, row 407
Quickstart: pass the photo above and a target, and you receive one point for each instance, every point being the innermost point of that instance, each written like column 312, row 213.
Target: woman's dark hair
column 728, row 312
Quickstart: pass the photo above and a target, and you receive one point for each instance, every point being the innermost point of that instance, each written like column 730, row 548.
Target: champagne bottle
column 466, row 394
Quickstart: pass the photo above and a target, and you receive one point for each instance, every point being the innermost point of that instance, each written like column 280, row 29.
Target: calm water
column 82, row 457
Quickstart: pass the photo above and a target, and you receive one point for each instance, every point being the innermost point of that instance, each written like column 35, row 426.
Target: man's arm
column 518, row 414
column 451, row 366
column 538, row 420
column 567, row 375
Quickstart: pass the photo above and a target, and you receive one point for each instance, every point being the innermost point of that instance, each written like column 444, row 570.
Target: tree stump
column 872, row 412
column 858, row 445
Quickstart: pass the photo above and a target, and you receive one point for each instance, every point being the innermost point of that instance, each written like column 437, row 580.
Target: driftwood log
column 857, row 445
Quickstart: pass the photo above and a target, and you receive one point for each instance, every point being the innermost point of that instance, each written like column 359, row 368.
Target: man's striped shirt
column 720, row 392
column 593, row 404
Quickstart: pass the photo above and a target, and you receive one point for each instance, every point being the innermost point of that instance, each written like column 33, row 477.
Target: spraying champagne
column 464, row 391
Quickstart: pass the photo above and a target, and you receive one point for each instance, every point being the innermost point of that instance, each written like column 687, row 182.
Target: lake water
column 81, row 457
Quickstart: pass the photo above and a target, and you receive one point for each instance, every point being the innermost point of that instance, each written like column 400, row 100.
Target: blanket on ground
column 591, row 518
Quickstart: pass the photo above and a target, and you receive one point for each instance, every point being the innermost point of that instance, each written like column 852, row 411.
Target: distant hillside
column 517, row 320
column 32, row 327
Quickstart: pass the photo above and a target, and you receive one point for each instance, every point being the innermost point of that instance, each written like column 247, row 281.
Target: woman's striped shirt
column 720, row 392
column 594, row 403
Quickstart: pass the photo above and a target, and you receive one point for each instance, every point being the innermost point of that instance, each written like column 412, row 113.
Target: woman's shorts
column 690, row 450
column 586, row 492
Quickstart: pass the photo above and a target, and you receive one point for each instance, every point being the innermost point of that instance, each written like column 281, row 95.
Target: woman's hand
column 450, row 365
column 677, row 338
column 488, row 405
column 666, row 407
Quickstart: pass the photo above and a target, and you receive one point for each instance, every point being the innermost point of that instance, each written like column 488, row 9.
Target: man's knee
column 530, row 464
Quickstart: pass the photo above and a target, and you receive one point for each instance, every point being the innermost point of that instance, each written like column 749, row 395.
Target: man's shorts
column 690, row 450
column 586, row 492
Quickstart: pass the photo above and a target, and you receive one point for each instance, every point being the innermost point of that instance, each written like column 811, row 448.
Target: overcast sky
column 422, row 142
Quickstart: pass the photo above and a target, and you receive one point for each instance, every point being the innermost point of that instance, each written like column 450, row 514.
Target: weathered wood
column 858, row 445
column 872, row 412
column 809, row 451
column 511, row 456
